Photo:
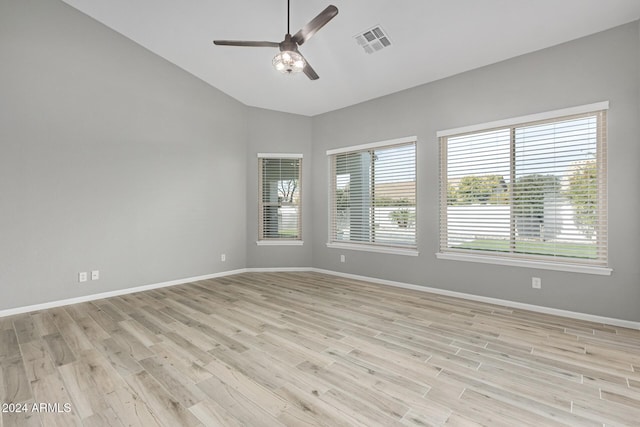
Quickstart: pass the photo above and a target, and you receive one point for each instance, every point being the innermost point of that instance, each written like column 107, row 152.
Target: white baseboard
column 277, row 270
column 92, row 297
column 513, row 304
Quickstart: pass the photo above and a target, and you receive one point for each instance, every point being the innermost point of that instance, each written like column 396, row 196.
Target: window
column 280, row 212
column 373, row 197
column 529, row 189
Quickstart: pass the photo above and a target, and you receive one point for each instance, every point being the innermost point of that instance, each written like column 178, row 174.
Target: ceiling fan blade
column 315, row 24
column 245, row 43
column 309, row 71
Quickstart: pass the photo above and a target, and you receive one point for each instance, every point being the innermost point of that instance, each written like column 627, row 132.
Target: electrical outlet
column 223, row 257
column 342, row 258
column 536, row 283
column 82, row 276
column 95, row 274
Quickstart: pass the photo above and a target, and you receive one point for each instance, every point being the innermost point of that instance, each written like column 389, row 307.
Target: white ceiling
column 431, row 39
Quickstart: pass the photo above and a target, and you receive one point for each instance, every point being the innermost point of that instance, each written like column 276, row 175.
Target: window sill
column 279, row 243
column 574, row 268
column 372, row 248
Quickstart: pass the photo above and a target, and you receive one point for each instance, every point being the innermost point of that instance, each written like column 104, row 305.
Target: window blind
column 280, row 210
column 373, row 195
column 533, row 190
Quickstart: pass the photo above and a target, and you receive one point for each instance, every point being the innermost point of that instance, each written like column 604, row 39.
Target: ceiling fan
column 289, row 59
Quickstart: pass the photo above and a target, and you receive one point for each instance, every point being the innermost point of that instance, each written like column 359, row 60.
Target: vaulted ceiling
column 430, row 40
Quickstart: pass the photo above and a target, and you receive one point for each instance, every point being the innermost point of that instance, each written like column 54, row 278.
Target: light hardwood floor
column 298, row 349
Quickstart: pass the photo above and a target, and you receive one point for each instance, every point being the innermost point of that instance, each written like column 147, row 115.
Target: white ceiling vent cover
column 373, row 40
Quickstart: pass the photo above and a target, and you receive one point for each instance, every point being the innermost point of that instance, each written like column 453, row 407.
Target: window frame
column 279, row 241
column 548, row 262
column 408, row 250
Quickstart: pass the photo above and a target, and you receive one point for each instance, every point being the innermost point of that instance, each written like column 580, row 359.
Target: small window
column 373, row 196
column 528, row 190
column 280, row 187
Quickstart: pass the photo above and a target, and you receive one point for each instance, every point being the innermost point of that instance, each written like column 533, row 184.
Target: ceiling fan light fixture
column 288, row 62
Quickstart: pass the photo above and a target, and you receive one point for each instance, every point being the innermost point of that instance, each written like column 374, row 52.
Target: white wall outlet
column 223, row 257
column 342, row 258
column 95, row 274
column 536, row 283
column 82, row 276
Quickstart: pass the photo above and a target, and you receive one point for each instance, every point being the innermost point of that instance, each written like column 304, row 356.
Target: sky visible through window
column 387, row 159
column 534, row 146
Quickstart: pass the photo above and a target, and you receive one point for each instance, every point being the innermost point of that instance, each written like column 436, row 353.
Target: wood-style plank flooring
column 306, row 349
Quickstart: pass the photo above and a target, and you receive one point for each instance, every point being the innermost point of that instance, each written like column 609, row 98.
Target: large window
column 373, row 196
column 280, row 186
column 531, row 189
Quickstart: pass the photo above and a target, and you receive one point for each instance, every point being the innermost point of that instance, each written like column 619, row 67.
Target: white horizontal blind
column 373, row 195
column 279, row 207
column 534, row 190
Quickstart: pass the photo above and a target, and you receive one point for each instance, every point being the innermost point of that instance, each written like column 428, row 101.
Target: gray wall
column 601, row 67
column 110, row 158
column 274, row 132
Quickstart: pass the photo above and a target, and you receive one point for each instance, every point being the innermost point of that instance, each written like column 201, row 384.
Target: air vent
column 373, row 40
